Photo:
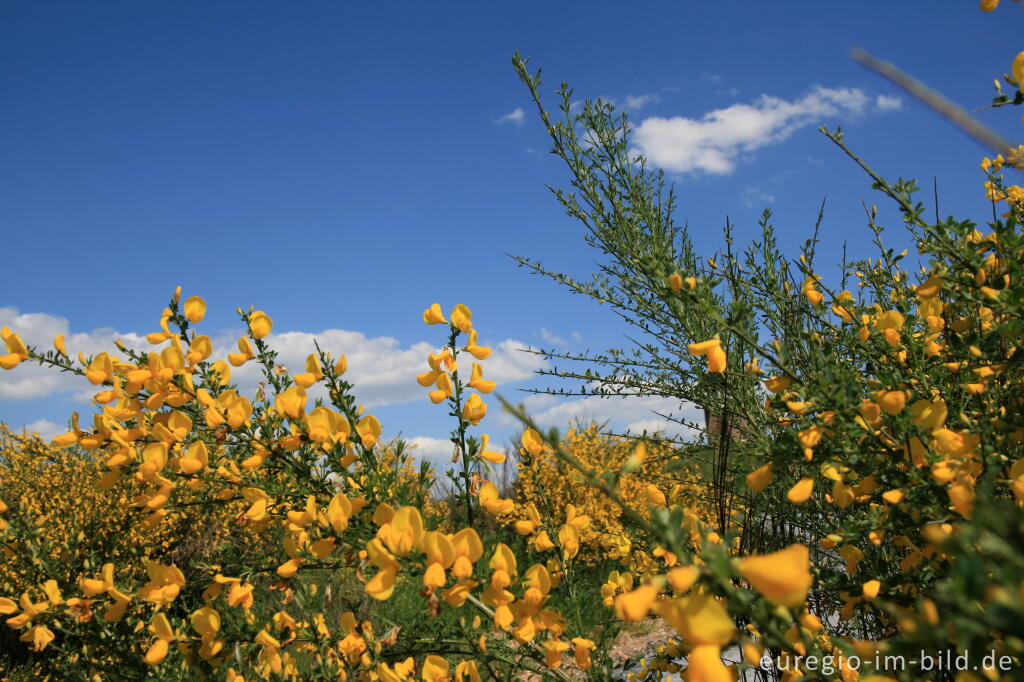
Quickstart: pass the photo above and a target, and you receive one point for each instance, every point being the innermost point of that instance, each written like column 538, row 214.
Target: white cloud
column 640, row 101
column 436, row 450
column 29, row 380
column 632, row 413
column 755, row 197
column 381, row 368
column 439, row 451
column 888, row 103
column 652, row 426
column 515, row 116
column 45, row 428
column 552, row 338
column 713, row 143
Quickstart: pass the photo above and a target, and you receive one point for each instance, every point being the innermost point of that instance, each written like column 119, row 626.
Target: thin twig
column 957, row 115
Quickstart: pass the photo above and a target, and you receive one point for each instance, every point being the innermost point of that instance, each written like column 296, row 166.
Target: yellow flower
column 339, row 511
column 474, row 410
column 717, row 360
column 892, row 402
column 704, row 347
column 428, row 378
column 532, row 442
column 157, row 652
column 58, row 343
column 634, row 606
column 165, row 635
column 369, row 430
column 801, row 492
column 553, row 650
column 930, row 288
column 777, row 384
column 477, row 381
column 842, row 311
column 433, row 315
column 240, row 595
column 704, row 664
column 244, row 355
column 341, row 365
column 655, row 496
column 403, row 532
column 478, row 352
column 18, row 352
column 312, row 374
column 870, row 589
column 382, row 585
column 1017, row 70
column 492, row 502
column 782, row 577
column 761, row 478
column 196, row 458
column 99, row 370
column 569, row 539
column 444, row 389
column 490, row 455
column 435, row 669
column 543, row 542
column 260, row 324
column 467, row 670
column 462, row 318
column 583, row 647
column 195, row 309
column 292, row 402
column 205, row 621
column 39, row 635
column 699, row 618
column 810, row 290
column 682, row 578
column 894, row 496
column 675, row 281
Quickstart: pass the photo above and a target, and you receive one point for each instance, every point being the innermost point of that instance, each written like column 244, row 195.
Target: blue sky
column 344, row 165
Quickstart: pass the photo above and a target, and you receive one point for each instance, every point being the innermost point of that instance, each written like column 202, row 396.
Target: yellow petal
column 156, row 653
column 532, row 442
column 12, row 360
column 634, row 606
column 716, row 360
column 801, row 492
column 260, row 324
column 700, row 618
column 206, row 621
column 195, row 309
column 703, row 347
column 655, row 496
column 462, row 318
column 704, row 664
column 783, row 577
column 433, row 315
column 682, row 578
column 382, row 585
column 761, row 478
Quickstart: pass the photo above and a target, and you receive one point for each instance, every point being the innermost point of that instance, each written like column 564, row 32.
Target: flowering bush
column 546, row 486
column 858, row 492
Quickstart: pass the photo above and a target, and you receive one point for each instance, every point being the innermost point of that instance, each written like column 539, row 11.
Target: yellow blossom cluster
column 546, row 486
